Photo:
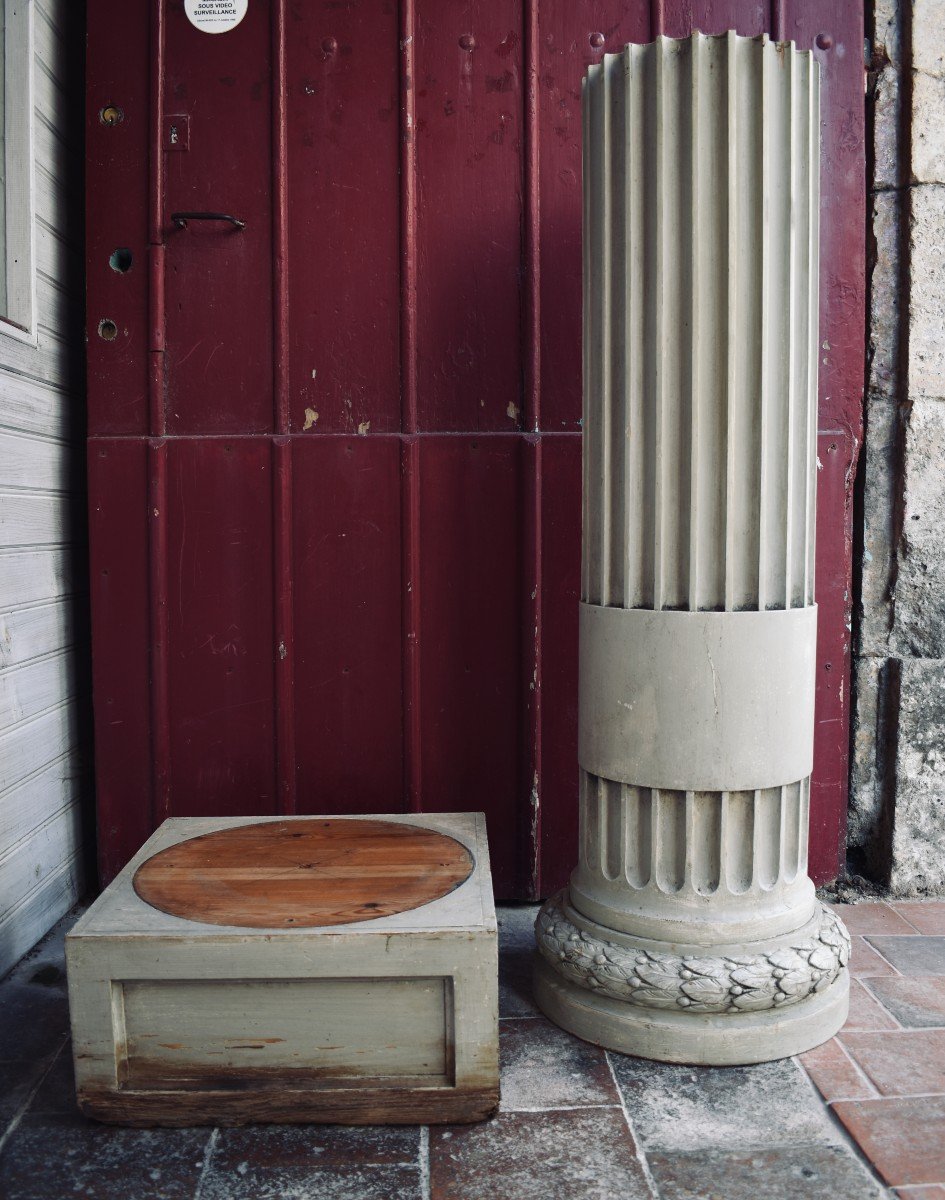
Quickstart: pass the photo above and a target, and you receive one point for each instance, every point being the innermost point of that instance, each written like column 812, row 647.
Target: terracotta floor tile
column 586, row 1153
column 866, row 1012
column 865, row 961
column 544, row 1067
column 934, row 1191
column 834, row 1075
column 915, row 1002
column 872, row 917
column 901, row 1063
column 903, row 1139
column 784, row 1173
column 928, row 916
column 912, row 955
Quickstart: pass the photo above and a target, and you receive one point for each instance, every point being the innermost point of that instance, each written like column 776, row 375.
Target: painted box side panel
column 389, row 1020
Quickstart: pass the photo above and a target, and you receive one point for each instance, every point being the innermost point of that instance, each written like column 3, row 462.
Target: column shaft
column 701, row 209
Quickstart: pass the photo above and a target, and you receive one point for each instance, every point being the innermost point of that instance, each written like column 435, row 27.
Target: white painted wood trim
column 19, row 322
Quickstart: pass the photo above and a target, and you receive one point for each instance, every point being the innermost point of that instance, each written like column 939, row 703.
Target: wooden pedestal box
column 291, row 969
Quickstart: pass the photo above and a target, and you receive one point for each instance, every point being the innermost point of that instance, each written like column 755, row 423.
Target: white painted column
column 690, row 930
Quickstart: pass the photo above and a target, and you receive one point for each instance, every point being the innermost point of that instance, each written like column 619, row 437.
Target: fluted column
column 690, row 917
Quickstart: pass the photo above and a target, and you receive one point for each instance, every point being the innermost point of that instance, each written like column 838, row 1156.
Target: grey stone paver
column 54, row 1157
column 264, row 1147
column 33, row 1019
column 912, row 955
column 17, row 1081
column 314, row 1183
column 585, row 1154
column 678, row 1108
column 786, row 1172
column 544, row 1067
column 915, row 1002
column 517, row 937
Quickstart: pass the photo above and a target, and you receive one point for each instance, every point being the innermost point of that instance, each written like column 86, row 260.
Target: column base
column 720, row 1006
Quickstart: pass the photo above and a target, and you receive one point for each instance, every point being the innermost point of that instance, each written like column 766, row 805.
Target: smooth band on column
column 662, row 693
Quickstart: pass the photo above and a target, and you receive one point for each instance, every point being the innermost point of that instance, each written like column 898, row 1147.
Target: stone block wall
column 897, row 805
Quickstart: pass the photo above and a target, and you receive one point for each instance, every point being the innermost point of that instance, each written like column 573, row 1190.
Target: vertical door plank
column 830, row 780
column 468, row 97
column 471, row 703
column 120, row 608
column 220, row 627
column 842, row 200
column 344, row 216
column 560, row 596
column 747, row 17
column 678, row 18
column 836, row 36
column 347, row 621
column 570, row 38
column 671, row 18
column 219, row 279
column 117, row 159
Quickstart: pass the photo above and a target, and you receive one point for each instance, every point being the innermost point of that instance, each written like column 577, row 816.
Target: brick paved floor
column 884, row 1074
column 576, row 1123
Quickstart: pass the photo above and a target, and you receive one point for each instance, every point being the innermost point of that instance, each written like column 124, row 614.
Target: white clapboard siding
column 26, row 633
column 31, row 576
column 59, row 258
column 33, row 406
column 42, row 906
column 55, row 307
column 60, row 261
column 53, row 203
column 32, row 462
column 34, row 518
column 45, row 361
column 30, row 861
column 27, row 747
column 35, row 686
column 41, row 432
column 50, row 97
column 56, row 202
column 48, row 42
column 40, row 796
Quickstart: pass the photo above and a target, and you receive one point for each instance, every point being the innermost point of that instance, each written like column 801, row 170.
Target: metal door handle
column 180, row 219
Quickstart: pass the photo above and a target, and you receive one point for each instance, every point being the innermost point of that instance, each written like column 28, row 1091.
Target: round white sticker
column 215, row 16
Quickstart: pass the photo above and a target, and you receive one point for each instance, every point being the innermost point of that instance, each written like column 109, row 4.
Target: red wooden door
column 334, row 456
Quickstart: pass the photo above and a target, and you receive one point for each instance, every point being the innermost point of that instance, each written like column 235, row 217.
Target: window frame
column 19, row 320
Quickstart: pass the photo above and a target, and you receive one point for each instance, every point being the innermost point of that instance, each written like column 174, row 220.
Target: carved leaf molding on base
column 733, row 983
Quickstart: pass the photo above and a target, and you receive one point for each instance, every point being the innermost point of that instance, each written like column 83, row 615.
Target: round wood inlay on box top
column 297, row 874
